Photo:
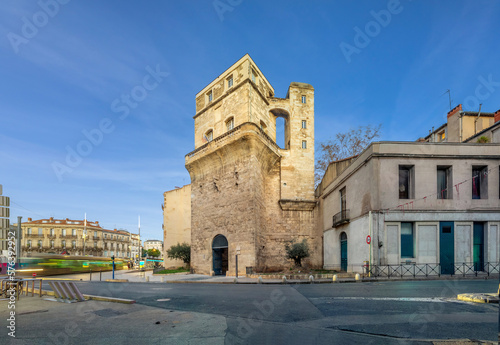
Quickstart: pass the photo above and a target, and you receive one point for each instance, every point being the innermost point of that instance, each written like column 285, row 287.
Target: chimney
column 29, row 219
column 51, row 219
column 497, row 116
column 458, row 108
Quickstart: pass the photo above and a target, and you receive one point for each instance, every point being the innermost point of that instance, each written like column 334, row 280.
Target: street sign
column 368, row 239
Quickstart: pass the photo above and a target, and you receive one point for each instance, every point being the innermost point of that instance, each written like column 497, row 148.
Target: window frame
column 479, row 182
column 447, row 192
column 304, row 144
column 230, row 82
column 410, row 184
column 229, row 123
column 304, row 99
column 209, row 135
column 304, row 124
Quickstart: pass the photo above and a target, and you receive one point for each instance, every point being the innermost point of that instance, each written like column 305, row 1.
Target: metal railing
column 341, row 218
column 415, row 270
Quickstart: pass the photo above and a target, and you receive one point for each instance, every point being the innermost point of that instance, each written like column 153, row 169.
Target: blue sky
column 64, row 72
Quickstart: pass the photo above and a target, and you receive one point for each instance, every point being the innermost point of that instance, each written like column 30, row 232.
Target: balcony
column 34, row 235
column 341, row 218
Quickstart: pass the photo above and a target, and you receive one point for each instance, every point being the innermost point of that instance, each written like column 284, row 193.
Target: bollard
column 311, row 279
column 357, row 277
column 147, row 278
column 259, row 281
column 235, row 280
column 283, row 279
column 334, row 278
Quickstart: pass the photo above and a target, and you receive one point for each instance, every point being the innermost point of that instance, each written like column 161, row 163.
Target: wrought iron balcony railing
column 340, row 218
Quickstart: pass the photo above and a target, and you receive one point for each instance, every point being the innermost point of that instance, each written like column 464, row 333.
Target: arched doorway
column 343, row 251
column 220, row 255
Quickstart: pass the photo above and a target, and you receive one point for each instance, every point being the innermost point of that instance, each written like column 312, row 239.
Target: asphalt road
column 354, row 313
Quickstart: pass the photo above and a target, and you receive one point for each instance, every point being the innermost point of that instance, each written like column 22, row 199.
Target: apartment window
column 63, row 232
column 304, row 144
column 105, row 235
column 230, row 82
column 442, row 136
column 230, row 124
column 52, row 244
column 40, row 232
column 209, row 136
column 343, row 200
column 51, row 232
column 39, row 243
column 63, row 243
column 406, row 182
column 303, row 99
column 444, row 183
column 210, row 96
column 29, row 231
column 95, row 234
column 73, row 244
column 407, row 240
column 304, row 124
column 73, row 232
column 479, row 182
column 95, row 244
column 29, row 244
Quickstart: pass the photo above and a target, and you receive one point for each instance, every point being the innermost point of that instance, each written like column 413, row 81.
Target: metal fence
column 427, row 270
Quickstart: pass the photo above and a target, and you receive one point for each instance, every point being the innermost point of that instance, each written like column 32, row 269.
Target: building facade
column 176, row 222
column 135, row 241
column 73, row 237
column 421, row 203
column 250, row 195
column 154, row 244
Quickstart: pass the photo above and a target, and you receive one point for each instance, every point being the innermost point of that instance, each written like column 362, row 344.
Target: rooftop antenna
column 449, row 96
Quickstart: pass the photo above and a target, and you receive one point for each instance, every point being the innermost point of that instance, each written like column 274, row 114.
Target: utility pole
column 84, row 232
column 140, row 250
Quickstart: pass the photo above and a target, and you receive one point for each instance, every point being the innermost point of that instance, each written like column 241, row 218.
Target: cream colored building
column 466, row 126
column 176, row 222
column 59, row 236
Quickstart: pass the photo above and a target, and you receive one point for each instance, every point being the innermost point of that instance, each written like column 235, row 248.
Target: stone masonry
column 243, row 185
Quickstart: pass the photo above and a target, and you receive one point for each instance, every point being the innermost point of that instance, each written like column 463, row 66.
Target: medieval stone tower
column 248, row 195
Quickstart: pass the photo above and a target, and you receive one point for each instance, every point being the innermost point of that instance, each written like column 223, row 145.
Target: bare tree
column 344, row 145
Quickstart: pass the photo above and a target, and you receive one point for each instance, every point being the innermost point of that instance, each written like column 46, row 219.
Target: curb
column 478, row 297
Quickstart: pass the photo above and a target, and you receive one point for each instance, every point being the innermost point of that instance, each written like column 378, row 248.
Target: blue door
column 478, row 252
column 343, row 251
column 446, row 248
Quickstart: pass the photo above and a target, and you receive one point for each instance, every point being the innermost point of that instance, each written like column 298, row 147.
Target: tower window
column 209, row 136
column 304, row 144
column 210, row 96
column 230, row 124
column 304, row 124
column 304, row 99
column 230, row 82
column 253, row 76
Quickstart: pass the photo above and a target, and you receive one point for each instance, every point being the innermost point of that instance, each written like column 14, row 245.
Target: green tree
column 180, row 252
column 344, row 145
column 297, row 251
column 154, row 252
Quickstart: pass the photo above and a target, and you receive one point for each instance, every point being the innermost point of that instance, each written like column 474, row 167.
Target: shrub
column 180, row 252
column 297, row 251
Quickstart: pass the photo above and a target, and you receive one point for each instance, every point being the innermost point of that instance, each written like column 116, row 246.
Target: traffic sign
column 368, row 239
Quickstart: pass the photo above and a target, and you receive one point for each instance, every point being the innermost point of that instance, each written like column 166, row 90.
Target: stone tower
column 248, row 195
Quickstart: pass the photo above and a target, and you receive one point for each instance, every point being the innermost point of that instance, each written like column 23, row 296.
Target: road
column 355, row 313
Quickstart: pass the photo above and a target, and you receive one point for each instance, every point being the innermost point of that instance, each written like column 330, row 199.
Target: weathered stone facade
column 243, row 185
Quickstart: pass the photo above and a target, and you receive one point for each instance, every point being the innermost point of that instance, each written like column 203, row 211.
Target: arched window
column 230, row 123
column 209, row 136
